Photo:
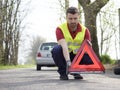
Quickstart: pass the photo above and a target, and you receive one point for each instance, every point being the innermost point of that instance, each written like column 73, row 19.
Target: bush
column 106, row 59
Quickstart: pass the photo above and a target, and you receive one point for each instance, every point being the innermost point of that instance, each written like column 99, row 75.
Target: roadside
column 5, row 67
column 109, row 66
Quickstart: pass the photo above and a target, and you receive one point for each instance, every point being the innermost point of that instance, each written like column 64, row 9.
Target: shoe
column 77, row 76
column 64, row 77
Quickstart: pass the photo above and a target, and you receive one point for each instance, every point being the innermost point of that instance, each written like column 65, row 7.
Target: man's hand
column 68, row 64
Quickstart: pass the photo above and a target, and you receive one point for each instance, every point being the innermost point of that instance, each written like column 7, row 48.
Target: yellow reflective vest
column 73, row 44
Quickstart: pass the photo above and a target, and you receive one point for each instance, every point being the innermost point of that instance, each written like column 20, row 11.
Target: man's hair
column 72, row 10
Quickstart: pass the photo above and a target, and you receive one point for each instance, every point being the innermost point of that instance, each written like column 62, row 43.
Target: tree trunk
column 93, row 31
column 91, row 10
column 66, row 4
column 1, row 33
column 9, row 31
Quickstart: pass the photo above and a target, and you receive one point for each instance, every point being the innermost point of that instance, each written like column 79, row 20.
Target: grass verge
column 5, row 67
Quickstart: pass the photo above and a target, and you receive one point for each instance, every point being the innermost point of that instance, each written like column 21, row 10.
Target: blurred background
column 25, row 24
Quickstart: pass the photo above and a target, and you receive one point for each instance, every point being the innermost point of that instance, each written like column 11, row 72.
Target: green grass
column 5, row 67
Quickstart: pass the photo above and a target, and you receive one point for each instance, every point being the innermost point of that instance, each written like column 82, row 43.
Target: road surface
column 48, row 79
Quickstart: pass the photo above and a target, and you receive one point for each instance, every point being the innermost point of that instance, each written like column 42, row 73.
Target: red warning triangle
column 95, row 66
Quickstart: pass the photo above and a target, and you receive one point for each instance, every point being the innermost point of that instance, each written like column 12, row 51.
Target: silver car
column 44, row 57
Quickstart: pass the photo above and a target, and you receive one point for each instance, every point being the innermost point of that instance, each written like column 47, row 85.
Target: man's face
column 72, row 19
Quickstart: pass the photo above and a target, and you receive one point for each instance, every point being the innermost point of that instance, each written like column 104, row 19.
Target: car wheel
column 117, row 70
column 38, row 67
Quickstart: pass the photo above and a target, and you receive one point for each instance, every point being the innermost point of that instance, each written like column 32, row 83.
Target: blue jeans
column 60, row 61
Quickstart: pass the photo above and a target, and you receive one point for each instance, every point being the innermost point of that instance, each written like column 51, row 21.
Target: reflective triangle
column 76, row 65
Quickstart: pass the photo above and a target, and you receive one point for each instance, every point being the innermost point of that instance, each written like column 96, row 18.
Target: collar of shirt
column 73, row 34
column 78, row 29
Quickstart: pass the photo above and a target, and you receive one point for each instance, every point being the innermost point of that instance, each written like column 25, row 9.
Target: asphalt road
column 48, row 79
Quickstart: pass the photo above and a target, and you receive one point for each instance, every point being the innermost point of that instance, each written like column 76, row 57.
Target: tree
column 108, row 29
column 1, row 33
column 91, row 10
column 10, row 30
column 35, row 43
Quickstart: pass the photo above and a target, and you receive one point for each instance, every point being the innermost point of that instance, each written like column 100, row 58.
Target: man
column 70, row 36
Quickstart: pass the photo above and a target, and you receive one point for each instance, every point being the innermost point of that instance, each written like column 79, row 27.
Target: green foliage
column 106, row 59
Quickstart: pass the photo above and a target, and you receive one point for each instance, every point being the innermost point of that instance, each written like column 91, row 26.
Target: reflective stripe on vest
column 73, row 44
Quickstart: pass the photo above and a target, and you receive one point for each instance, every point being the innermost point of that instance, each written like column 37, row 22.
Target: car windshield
column 47, row 46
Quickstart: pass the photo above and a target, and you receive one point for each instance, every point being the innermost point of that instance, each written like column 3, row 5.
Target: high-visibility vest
column 73, row 44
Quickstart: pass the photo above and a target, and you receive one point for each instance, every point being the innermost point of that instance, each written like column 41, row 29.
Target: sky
column 42, row 20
